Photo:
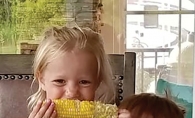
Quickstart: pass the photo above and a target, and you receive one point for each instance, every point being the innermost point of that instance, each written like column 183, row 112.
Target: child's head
column 71, row 63
column 148, row 105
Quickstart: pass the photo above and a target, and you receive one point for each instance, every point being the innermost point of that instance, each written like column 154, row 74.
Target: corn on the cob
column 84, row 109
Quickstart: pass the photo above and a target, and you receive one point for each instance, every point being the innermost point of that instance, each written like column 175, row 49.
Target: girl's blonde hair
column 58, row 40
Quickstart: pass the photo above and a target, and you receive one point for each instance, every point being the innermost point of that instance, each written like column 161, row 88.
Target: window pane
column 180, row 64
column 188, row 4
column 133, row 5
column 162, row 35
column 25, row 20
column 187, row 21
column 22, row 21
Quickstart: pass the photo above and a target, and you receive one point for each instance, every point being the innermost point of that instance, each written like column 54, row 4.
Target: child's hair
column 58, row 40
column 148, row 105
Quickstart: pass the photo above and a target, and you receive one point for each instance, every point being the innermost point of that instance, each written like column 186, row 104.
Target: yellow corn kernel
column 84, row 109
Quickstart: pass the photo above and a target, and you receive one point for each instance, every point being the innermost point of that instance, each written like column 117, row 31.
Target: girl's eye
column 85, row 82
column 60, row 81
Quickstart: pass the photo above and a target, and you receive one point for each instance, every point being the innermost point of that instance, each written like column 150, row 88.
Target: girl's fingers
column 43, row 109
column 49, row 111
column 35, row 110
column 54, row 114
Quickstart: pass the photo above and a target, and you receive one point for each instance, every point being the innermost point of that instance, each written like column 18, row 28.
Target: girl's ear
column 41, row 80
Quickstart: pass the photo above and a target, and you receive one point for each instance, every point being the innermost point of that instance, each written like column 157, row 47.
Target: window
column 165, row 51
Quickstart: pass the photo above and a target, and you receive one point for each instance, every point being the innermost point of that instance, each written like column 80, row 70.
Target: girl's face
column 71, row 76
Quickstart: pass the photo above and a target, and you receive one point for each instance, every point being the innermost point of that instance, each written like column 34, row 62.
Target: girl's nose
column 72, row 92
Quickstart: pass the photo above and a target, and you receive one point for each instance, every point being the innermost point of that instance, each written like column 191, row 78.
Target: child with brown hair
column 148, row 105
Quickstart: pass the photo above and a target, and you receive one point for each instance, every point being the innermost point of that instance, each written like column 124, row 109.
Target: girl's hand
column 44, row 111
column 123, row 113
